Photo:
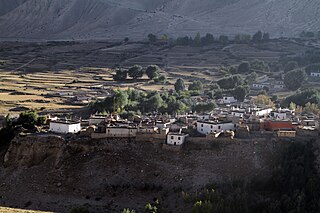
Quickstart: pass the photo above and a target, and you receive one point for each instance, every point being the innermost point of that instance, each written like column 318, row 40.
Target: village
column 230, row 120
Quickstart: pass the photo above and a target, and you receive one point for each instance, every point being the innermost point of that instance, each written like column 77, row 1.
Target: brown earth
column 46, row 172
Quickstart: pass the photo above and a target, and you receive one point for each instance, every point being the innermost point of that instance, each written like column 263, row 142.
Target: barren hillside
column 99, row 19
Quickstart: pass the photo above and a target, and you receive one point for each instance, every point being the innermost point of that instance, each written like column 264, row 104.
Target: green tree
column 208, row 107
column 152, row 71
column 160, row 79
column 79, row 210
column 155, row 102
column 179, row 85
column 121, row 75
column 259, row 65
column 244, row 67
column 128, row 211
column 41, row 120
column 266, row 37
column 207, row 39
column 230, row 82
column 251, row 78
column 136, row 72
column 223, row 39
column 120, row 99
column 303, row 97
column 196, row 86
column 257, row 37
column 197, row 40
column 175, row 106
column 242, row 38
column 291, row 65
column 152, row 38
column 202, row 207
column 294, row 79
column 28, row 119
column 240, row 92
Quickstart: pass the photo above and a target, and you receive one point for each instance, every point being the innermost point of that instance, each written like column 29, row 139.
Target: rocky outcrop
column 29, row 151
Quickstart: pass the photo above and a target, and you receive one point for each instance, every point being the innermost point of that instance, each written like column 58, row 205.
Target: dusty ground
column 46, row 173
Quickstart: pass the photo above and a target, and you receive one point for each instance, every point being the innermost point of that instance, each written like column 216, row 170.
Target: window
column 211, row 127
column 219, row 127
column 179, row 138
column 171, row 137
column 201, row 125
column 235, row 125
column 201, row 130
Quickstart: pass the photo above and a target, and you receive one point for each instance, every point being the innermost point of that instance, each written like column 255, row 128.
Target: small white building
column 207, row 127
column 176, row 139
column 279, row 115
column 228, row 100
column 260, row 112
column 315, row 74
column 65, row 126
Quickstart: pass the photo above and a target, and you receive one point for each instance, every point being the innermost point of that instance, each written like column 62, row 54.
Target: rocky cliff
column 48, row 172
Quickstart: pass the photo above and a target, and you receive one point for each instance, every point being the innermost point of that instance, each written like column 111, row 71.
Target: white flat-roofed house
column 259, row 112
column 207, row 127
column 176, row 139
column 228, row 100
column 65, row 126
column 315, row 74
column 279, row 115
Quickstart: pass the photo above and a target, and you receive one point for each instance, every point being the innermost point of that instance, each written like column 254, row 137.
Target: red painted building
column 276, row 125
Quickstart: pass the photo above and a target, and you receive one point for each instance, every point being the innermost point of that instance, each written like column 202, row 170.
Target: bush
column 79, row 210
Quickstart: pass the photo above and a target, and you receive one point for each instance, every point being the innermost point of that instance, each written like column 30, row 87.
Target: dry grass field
column 12, row 210
column 32, row 74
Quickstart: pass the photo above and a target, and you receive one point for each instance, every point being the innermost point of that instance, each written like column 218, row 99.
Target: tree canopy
column 179, row 85
column 294, row 79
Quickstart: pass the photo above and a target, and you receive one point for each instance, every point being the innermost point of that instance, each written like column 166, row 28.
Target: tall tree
column 135, row 72
column 294, row 79
column 179, row 85
column 197, row 40
column 257, row 37
column 152, row 71
column 244, row 67
column 155, row 102
column 266, row 37
column 195, row 86
column 120, row 75
column 152, row 38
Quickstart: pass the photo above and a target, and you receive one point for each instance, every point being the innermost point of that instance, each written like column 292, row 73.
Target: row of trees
column 136, row 72
column 133, row 101
column 199, row 40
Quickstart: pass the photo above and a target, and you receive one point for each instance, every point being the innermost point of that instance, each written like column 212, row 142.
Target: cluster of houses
column 229, row 120
column 277, row 84
column 271, row 84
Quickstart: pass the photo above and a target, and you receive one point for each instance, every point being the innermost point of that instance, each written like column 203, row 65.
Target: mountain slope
column 94, row 19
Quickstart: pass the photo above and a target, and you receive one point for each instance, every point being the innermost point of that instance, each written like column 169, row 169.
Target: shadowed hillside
column 99, row 19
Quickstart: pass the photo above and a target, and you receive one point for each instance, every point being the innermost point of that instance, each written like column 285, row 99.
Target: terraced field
column 12, row 210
